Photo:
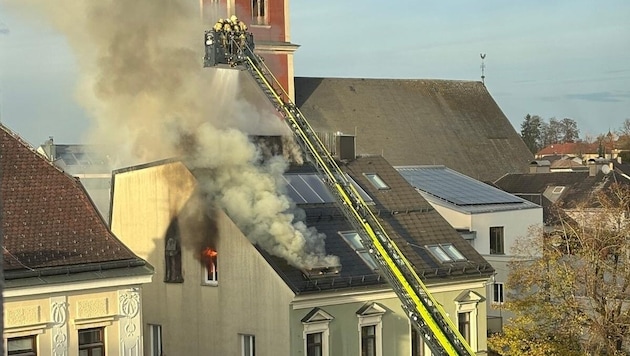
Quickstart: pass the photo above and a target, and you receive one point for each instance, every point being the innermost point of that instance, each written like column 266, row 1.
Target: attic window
column 557, row 190
column 446, row 253
column 376, row 181
column 353, row 239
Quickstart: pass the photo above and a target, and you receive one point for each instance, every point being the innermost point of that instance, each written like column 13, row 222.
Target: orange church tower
column 268, row 20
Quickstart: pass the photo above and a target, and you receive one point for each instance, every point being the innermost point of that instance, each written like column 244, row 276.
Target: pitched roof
column 49, row 223
column 448, row 187
column 411, row 122
column 408, row 219
column 412, row 223
column 562, row 188
column 575, row 148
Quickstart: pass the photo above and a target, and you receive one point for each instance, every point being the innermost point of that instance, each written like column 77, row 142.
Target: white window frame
column 372, row 315
column 498, row 298
column 376, row 181
column 446, row 253
column 315, row 328
column 155, row 337
column 248, row 339
column 207, row 279
column 353, row 239
column 470, row 306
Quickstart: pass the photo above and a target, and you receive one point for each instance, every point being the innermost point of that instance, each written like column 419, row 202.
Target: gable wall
column 199, row 319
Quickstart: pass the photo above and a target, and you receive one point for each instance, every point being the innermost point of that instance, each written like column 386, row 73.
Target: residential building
column 217, row 293
column 417, row 122
column 490, row 219
column 565, row 190
column 70, row 286
column 607, row 148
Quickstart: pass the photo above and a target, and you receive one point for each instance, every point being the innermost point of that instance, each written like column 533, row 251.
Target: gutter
column 74, row 269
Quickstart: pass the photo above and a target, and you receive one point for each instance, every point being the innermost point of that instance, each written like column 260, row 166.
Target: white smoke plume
column 143, row 83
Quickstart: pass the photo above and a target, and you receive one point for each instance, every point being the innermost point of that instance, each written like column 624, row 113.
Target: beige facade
column 199, row 318
column 55, row 314
column 250, row 298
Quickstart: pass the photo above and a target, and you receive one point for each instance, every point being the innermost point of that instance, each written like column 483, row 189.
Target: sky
column 549, row 58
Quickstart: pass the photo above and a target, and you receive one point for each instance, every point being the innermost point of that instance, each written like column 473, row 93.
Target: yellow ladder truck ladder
column 425, row 313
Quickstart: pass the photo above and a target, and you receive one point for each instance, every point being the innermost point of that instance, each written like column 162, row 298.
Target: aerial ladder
column 229, row 43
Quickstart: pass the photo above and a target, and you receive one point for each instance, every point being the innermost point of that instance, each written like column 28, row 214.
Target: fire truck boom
column 229, row 44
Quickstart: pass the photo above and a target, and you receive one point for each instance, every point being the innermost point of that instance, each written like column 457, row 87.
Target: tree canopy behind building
column 570, row 290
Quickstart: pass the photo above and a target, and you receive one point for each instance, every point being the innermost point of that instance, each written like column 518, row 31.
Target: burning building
column 233, row 292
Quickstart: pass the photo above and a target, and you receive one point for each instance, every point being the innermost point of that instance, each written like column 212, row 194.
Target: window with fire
column 210, row 261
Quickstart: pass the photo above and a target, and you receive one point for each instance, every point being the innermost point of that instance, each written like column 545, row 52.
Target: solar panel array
column 308, row 188
column 455, row 187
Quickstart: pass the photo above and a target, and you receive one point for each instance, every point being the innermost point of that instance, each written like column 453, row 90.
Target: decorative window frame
column 368, row 315
column 317, row 321
column 468, row 302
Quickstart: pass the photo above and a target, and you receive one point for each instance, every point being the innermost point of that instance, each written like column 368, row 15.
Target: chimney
column 345, row 146
column 543, row 166
column 596, row 165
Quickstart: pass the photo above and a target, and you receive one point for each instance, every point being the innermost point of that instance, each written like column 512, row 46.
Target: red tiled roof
column 573, row 148
column 48, row 220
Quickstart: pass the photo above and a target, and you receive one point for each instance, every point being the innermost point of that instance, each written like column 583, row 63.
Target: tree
column 570, row 290
column 568, row 130
column 550, row 132
column 530, row 132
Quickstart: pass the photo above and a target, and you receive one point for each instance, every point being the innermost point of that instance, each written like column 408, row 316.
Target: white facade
column 515, row 223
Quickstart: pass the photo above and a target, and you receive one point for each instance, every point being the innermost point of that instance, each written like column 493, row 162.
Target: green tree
column 569, row 131
column 530, row 132
column 551, row 132
column 570, row 290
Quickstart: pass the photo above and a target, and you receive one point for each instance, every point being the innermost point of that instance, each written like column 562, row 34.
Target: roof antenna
column 483, row 67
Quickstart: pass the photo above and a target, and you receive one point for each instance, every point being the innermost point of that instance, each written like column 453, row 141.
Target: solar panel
column 308, row 188
column 455, row 187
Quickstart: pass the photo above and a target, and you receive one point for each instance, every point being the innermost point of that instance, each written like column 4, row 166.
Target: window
column 210, row 268
column 248, row 345
column 376, row 181
column 314, row 344
column 497, row 293
column 368, row 340
column 259, row 12
column 446, row 253
column 155, row 340
column 463, row 320
column 316, row 332
column 22, row 346
column 557, row 190
column 496, row 240
column 173, row 254
column 91, row 342
column 354, row 240
column 371, row 329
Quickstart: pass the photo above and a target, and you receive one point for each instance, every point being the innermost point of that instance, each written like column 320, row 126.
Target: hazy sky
column 567, row 58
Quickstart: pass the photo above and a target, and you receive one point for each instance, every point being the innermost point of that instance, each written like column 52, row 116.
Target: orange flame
column 209, row 255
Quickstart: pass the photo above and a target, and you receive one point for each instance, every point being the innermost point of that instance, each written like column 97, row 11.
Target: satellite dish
column 605, row 169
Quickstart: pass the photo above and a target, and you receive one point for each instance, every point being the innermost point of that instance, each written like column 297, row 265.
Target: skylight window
column 446, row 253
column 376, row 180
column 353, row 239
column 557, row 190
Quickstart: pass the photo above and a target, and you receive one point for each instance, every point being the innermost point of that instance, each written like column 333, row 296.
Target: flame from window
column 210, row 257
